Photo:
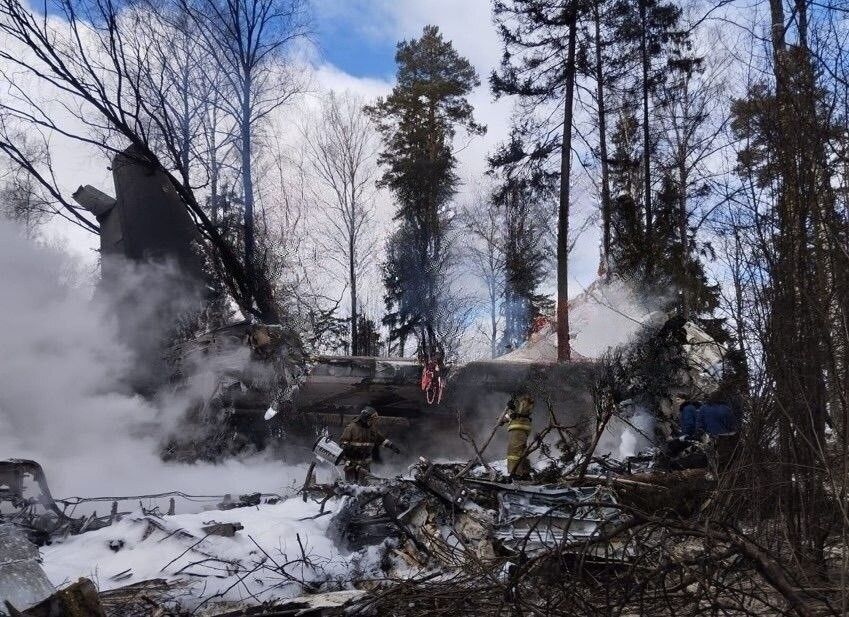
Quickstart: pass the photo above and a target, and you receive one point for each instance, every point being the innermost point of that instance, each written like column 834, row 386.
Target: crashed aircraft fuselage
column 337, row 387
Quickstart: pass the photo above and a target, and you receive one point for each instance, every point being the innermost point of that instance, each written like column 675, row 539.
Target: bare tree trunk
column 777, row 30
column 683, row 220
column 564, row 351
column 352, row 277
column 247, row 180
column 602, row 142
column 646, row 136
column 493, row 321
column 799, row 331
column 185, row 129
column 214, row 173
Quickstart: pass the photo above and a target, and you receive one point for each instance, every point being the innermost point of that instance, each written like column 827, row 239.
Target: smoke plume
column 64, row 395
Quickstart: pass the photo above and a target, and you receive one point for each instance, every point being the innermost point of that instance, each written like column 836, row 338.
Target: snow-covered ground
column 261, row 562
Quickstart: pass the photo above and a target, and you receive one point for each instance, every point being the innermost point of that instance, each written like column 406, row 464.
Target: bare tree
column 22, row 198
column 250, row 42
column 341, row 150
column 483, row 218
column 692, row 118
column 89, row 54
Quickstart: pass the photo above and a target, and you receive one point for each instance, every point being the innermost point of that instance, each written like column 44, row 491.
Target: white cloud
column 467, row 24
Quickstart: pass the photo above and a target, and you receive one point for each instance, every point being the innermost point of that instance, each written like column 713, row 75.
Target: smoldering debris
column 441, row 538
column 441, row 516
column 66, row 398
column 26, row 502
column 228, row 378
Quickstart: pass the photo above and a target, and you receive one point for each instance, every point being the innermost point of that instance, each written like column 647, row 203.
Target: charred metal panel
column 94, row 200
column 147, row 221
column 154, row 222
column 392, row 386
column 22, row 581
column 538, row 517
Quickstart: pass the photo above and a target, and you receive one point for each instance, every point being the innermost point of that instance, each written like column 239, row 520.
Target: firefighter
column 360, row 440
column 517, row 417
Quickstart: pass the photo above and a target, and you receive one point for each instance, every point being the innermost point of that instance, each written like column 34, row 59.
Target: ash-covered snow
column 244, row 568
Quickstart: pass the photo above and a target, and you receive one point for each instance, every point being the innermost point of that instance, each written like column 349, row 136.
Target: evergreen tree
column 540, row 66
column 417, row 123
column 651, row 245
column 522, row 196
column 644, row 31
column 628, row 234
column 659, row 262
column 368, row 338
column 787, row 128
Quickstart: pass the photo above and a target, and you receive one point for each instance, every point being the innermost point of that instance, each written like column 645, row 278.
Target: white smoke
column 627, row 434
column 606, row 315
column 64, row 401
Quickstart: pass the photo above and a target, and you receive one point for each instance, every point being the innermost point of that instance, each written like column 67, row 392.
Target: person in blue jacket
column 689, row 414
column 716, row 417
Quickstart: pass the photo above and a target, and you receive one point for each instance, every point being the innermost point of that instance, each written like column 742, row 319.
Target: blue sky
column 354, row 50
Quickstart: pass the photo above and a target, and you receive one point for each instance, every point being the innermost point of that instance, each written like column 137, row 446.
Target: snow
column 177, row 549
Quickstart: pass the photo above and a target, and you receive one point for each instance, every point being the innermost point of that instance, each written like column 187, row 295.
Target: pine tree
column 787, row 128
column 644, row 31
column 417, row 123
column 660, row 262
column 651, row 245
column 540, row 67
column 368, row 338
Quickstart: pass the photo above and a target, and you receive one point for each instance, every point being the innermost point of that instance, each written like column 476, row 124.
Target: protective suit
column 716, row 418
column 359, row 441
column 517, row 417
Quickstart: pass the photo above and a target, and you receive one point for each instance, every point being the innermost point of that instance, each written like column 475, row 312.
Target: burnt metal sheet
column 23, row 583
column 24, row 486
column 154, row 222
column 94, row 200
column 535, row 518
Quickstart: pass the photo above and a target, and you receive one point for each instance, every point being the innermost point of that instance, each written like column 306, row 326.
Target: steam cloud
column 64, row 398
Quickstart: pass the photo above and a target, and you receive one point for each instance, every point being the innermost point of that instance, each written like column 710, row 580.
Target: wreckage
column 435, row 515
column 329, row 391
column 256, row 367
column 26, row 502
column 437, row 518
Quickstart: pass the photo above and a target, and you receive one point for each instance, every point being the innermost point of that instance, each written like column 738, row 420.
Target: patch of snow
column 261, row 562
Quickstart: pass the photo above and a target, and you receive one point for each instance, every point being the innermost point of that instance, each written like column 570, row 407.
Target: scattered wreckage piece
column 14, row 486
column 142, row 599
column 227, row 530
column 368, row 515
column 330, row 604
column 683, row 492
column 23, row 582
column 79, row 599
column 26, row 501
column 532, row 518
column 437, row 520
column 255, row 367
